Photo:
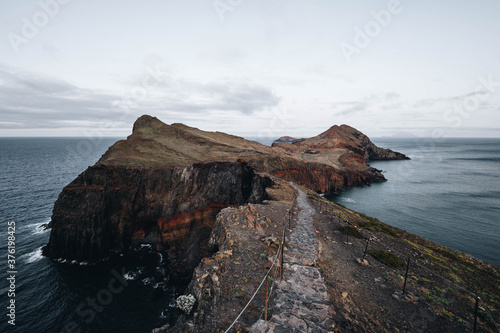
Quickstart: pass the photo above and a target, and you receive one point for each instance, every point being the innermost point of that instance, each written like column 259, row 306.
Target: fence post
column 475, row 313
column 267, row 292
column 347, row 231
column 366, row 247
column 406, row 275
column 281, row 259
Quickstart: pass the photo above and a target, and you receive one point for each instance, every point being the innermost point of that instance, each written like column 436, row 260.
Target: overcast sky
column 250, row 67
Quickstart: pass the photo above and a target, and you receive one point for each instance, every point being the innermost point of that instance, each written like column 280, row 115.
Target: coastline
column 441, row 288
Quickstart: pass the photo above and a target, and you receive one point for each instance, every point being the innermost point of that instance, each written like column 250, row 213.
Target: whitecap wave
column 147, row 281
column 36, row 225
column 350, row 200
column 130, row 276
column 40, row 229
column 33, row 256
column 73, row 262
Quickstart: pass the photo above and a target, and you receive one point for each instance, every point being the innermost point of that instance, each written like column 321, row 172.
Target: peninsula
column 215, row 205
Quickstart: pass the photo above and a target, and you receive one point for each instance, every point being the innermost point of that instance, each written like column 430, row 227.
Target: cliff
column 165, row 184
column 363, row 295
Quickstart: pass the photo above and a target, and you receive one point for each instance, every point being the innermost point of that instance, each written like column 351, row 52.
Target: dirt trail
column 301, row 303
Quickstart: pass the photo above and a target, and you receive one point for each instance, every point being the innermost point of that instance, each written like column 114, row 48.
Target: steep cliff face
column 111, row 208
column 319, row 177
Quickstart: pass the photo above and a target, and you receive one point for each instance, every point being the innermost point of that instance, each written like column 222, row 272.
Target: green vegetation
column 447, row 313
column 351, row 231
column 387, row 258
column 440, row 290
column 436, row 298
column 485, row 316
column 373, row 224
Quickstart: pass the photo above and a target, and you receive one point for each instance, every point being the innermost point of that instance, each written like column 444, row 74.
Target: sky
column 253, row 68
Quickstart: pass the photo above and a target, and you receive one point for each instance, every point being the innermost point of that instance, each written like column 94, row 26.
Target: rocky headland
column 165, row 184
column 214, row 204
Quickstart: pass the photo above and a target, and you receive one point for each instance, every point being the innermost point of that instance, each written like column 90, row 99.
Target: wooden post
column 290, row 218
column 267, row 293
column 366, row 247
column 406, row 275
column 281, row 260
column 475, row 313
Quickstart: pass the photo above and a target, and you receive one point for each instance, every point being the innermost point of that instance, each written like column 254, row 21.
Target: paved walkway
column 301, row 301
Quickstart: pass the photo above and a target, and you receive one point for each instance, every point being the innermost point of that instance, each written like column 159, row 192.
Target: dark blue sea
column 54, row 296
column 449, row 193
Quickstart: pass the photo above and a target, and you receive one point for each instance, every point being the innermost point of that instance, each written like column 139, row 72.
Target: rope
column 267, row 274
column 255, row 293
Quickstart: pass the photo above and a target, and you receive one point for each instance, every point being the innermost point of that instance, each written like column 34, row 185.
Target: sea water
column 449, row 193
column 54, row 296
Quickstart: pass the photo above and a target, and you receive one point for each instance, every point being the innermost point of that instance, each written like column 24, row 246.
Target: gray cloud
column 32, row 100
column 428, row 102
column 349, row 107
column 387, row 101
column 392, row 95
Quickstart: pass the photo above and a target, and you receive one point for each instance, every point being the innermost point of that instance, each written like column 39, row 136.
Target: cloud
column 33, row 100
column 392, row 95
column 386, row 101
column 428, row 102
column 350, row 108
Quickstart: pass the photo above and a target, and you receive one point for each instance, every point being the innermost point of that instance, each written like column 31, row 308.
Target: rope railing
column 279, row 254
column 370, row 240
column 325, row 207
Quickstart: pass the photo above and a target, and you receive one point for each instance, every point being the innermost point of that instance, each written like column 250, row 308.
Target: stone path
column 301, row 301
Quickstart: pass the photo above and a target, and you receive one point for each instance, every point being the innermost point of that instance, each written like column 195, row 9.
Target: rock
column 288, row 139
column 113, row 209
column 362, row 262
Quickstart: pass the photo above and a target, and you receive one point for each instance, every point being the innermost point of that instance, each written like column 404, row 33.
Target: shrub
column 387, row 258
column 351, row 231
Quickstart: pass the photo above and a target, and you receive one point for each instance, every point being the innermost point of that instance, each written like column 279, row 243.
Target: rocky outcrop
column 341, row 137
column 289, row 139
column 112, row 209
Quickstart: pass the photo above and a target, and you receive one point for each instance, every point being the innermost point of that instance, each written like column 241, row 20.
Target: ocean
column 449, row 193
column 54, row 296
